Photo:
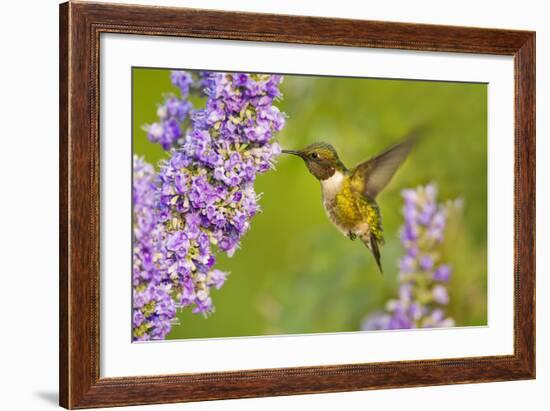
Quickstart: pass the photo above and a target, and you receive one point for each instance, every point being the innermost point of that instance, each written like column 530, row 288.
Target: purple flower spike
column 422, row 291
column 202, row 199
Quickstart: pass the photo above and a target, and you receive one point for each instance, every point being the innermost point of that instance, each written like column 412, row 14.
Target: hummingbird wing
column 371, row 176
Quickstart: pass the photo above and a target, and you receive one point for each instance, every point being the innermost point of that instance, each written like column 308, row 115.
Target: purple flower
column 182, row 80
column 178, row 243
column 216, row 278
column 437, row 319
column 426, row 262
column 442, row 273
column 240, row 79
column 406, row 292
column 407, row 264
column 416, row 311
column 440, row 294
column 377, row 321
column 409, row 233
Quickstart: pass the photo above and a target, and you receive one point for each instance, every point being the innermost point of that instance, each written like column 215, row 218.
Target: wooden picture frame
column 80, row 27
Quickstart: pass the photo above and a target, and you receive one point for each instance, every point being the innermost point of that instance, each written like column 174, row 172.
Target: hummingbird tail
column 372, row 244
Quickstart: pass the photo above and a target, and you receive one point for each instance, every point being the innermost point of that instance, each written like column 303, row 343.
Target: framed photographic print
column 258, row 205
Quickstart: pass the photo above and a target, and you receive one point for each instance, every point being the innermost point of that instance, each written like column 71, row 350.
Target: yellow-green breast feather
column 346, row 209
column 354, row 212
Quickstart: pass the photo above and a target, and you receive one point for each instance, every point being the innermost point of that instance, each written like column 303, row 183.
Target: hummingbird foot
column 352, row 236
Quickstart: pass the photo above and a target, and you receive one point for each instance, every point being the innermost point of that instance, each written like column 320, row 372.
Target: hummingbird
column 349, row 195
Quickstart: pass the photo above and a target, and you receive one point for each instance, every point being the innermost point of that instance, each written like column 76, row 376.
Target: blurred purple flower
column 440, row 294
column 442, row 273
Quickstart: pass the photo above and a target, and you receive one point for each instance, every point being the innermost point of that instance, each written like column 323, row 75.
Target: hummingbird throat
column 332, row 184
column 321, row 171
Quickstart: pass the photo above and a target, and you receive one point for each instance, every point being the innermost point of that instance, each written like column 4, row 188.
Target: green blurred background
column 295, row 273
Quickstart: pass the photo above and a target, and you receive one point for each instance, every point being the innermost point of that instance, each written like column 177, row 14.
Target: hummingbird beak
column 296, row 153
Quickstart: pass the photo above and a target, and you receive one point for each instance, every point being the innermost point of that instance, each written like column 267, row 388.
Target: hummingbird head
column 321, row 159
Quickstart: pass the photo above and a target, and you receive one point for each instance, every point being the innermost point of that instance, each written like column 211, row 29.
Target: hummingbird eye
column 314, row 155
